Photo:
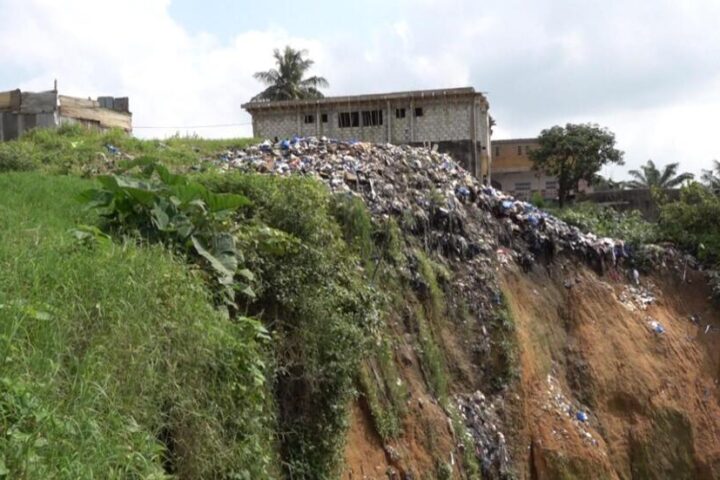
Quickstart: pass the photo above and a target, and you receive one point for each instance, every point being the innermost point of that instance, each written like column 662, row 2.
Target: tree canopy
column 574, row 152
column 711, row 178
column 286, row 82
column 649, row 176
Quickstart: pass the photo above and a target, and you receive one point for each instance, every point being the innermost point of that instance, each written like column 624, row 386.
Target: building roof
column 508, row 141
column 379, row 97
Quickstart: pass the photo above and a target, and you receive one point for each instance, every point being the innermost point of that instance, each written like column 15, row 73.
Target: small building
column 22, row 111
column 456, row 120
column 512, row 170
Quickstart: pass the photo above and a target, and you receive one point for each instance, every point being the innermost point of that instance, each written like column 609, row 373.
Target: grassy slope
column 106, row 351
column 73, row 149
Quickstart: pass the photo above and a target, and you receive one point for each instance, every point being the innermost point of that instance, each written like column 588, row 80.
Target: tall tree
column 649, row 176
column 286, row 82
column 711, row 178
column 574, row 152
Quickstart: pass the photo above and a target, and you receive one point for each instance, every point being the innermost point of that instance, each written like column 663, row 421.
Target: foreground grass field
column 113, row 362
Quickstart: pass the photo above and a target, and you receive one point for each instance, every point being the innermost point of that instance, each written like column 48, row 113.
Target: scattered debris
column 558, row 403
column 482, row 421
column 637, row 298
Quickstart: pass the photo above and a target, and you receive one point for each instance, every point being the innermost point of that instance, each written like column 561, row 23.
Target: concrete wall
column 447, row 122
column 523, row 184
column 13, row 125
column 512, row 155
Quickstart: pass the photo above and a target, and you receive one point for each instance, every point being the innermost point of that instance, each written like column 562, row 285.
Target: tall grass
column 113, row 364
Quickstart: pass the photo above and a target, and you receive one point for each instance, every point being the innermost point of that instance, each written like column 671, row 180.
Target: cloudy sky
column 648, row 70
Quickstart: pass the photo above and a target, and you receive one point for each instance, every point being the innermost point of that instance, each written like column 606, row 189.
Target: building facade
column 456, row 120
column 512, row 170
column 22, row 111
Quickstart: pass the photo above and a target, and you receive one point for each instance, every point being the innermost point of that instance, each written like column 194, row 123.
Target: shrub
column 607, row 222
column 693, row 222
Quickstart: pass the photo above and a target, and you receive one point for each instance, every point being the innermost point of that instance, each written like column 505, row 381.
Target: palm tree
column 287, row 82
column 652, row 177
column 711, row 178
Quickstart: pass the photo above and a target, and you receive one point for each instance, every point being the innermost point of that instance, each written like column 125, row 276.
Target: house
column 512, row 170
column 21, row 111
column 456, row 120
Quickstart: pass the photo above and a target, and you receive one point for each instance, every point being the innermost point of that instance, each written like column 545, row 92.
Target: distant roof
column 515, row 140
column 415, row 94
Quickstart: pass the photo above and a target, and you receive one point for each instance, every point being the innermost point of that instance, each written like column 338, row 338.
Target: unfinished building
column 22, row 111
column 456, row 120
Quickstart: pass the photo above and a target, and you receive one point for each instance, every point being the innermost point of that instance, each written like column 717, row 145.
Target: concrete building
column 22, row 111
column 512, row 170
column 456, row 120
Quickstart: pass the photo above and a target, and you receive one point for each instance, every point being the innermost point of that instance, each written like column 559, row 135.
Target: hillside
column 415, row 324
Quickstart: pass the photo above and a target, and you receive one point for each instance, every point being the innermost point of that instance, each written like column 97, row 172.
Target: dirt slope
column 652, row 398
column 585, row 345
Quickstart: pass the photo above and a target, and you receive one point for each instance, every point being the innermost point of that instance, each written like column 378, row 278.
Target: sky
column 648, row 71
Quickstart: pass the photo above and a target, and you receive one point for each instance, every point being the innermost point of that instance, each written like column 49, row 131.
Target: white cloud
column 135, row 48
column 650, row 71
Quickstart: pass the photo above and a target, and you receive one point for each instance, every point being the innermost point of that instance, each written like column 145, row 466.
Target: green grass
column 76, row 150
column 113, row 363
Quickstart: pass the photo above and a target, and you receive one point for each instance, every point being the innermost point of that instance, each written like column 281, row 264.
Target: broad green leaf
column 160, row 218
column 225, row 274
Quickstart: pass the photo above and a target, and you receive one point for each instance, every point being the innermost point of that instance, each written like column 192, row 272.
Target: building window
column 551, row 185
column 418, row 111
column 519, row 149
column 372, row 118
column 309, row 118
column 522, row 186
column 348, row 119
column 399, row 113
column 344, row 119
column 497, row 151
column 527, row 149
column 324, row 118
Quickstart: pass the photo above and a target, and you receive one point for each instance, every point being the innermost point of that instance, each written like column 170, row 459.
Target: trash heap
column 434, row 196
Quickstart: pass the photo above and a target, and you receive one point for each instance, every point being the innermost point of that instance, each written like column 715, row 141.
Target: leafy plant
column 162, row 206
column 604, row 221
column 693, row 222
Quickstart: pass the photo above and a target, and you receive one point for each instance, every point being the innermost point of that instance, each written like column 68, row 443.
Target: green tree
column 573, row 153
column 286, row 82
column 711, row 178
column 649, row 176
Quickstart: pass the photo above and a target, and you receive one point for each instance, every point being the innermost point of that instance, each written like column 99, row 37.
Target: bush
column 317, row 303
column 693, row 222
column 607, row 222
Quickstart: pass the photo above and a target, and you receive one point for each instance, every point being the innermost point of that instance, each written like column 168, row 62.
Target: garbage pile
column 435, row 197
column 482, row 422
column 579, row 417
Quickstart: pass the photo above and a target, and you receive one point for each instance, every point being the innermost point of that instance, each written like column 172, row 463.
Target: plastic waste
column 581, row 416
